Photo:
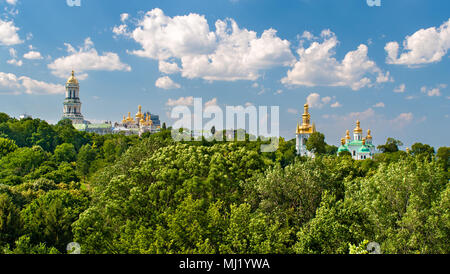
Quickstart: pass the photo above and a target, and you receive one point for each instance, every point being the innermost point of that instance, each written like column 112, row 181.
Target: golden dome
column 129, row 119
column 343, row 141
column 72, row 79
column 368, row 134
column 139, row 115
column 358, row 128
column 347, row 136
column 364, row 141
column 124, row 121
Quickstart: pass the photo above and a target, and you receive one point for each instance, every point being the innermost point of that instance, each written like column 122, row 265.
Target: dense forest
column 120, row 194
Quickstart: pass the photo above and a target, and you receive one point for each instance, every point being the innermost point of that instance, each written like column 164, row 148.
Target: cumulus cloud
column 336, row 105
column 166, row 83
column 182, row 101
column 33, row 55
column 11, row 2
column 379, row 105
column 168, row 68
column 423, row 47
column 8, row 33
column 314, row 100
column 403, row 119
column 11, row 84
column 229, row 53
column 436, row 91
column 400, row 89
column 86, row 58
column 317, row 66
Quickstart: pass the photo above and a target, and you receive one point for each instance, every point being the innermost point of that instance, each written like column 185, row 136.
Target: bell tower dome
column 72, row 103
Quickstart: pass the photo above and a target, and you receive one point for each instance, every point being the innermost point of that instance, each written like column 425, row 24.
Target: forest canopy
column 121, row 194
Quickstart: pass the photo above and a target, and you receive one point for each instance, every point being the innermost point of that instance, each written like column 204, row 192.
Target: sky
column 387, row 66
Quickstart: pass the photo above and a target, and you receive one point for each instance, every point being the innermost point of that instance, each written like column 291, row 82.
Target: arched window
column 354, row 153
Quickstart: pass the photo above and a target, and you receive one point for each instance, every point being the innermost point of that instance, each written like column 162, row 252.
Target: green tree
column 7, row 146
column 10, row 221
column 86, row 157
column 316, row 143
column 65, row 153
column 392, row 145
column 49, row 218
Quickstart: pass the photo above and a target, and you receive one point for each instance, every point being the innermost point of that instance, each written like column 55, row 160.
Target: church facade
column 360, row 147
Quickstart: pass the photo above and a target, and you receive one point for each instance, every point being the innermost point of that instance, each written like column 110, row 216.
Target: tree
column 443, row 156
column 419, row 149
column 391, row 145
column 45, row 137
column 164, row 126
column 7, row 146
column 4, row 117
column 10, row 221
column 85, row 158
column 49, row 218
column 331, row 149
column 65, row 153
column 316, row 143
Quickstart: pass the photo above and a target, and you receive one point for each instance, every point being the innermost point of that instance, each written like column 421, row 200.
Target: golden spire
column 342, row 141
column 306, row 116
column 347, row 135
column 129, row 119
column 314, row 127
column 364, row 141
column 72, row 79
column 124, row 121
column 358, row 127
column 139, row 115
column 368, row 134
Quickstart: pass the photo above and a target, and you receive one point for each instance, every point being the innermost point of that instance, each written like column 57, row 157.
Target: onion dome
column 368, row 135
column 358, row 128
column 72, row 80
column 347, row 135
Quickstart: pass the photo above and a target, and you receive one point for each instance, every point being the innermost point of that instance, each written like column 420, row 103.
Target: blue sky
column 387, row 66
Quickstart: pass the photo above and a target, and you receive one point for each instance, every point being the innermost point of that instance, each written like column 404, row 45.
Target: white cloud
column 11, row 84
column 423, row 47
column 379, row 105
column 228, row 54
column 86, row 59
column 166, row 83
column 315, row 101
column 317, row 66
column 433, row 91
column 182, row 101
column 400, row 89
column 8, row 33
column 292, row 111
column 11, row 2
column 33, row 55
column 212, row 102
column 15, row 62
column 124, row 17
column 403, row 119
column 168, row 68
column 336, row 105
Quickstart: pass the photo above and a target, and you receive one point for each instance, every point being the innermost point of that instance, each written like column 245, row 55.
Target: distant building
column 25, row 116
column 72, row 103
column 303, row 133
column 72, row 110
column 142, row 123
column 360, row 148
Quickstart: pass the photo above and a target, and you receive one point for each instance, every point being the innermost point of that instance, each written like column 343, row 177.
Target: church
column 303, row 132
column 144, row 122
column 360, row 147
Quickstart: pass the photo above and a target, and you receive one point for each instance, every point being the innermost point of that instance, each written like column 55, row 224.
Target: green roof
column 80, row 126
column 342, row 148
column 364, row 149
column 355, row 143
column 99, row 126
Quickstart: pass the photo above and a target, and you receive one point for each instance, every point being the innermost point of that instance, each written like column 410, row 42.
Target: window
column 354, row 153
